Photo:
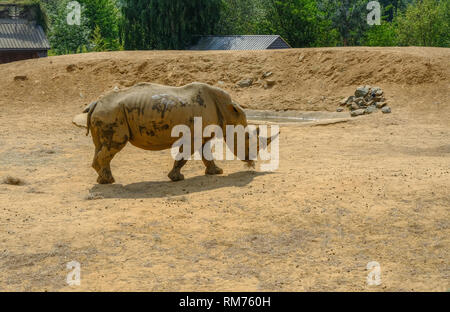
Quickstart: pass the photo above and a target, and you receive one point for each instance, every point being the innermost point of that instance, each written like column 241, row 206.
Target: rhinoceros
column 145, row 114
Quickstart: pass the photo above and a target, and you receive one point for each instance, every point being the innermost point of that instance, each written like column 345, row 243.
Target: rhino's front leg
column 175, row 173
column 211, row 167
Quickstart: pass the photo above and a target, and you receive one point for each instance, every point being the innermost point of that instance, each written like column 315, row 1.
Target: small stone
column 358, row 100
column 220, row 82
column 245, row 83
column 13, row 181
column 157, row 238
column 354, row 106
column 347, row 100
column 371, row 109
column 269, row 83
column 376, row 91
column 21, row 78
column 386, row 110
column 340, row 109
column 363, row 104
column 70, row 67
column 357, row 112
column 148, row 264
column 362, row 91
column 381, row 104
column 267, row 74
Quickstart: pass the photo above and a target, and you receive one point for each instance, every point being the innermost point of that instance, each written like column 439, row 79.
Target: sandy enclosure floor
column 375, row 188
column 344, row 195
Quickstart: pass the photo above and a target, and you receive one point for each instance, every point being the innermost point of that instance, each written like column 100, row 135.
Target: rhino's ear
column 224, row 102
column 233, row 108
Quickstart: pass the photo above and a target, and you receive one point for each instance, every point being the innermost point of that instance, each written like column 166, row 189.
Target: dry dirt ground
column 372, row 189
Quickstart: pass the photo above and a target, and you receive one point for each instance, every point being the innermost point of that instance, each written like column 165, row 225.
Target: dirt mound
column 300, row 79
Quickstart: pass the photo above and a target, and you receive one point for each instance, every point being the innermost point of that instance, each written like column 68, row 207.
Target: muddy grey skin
column 145, row 114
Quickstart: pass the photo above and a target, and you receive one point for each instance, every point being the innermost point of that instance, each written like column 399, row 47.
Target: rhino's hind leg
column 101, row 164
column 175, row 173
column 105, row 150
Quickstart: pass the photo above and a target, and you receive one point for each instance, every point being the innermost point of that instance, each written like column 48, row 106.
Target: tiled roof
column 22, row 35
column 253, row 42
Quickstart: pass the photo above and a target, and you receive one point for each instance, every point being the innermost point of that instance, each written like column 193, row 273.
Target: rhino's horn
column 273, row 137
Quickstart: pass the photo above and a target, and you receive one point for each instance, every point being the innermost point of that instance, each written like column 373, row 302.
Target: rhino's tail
column 90, row 109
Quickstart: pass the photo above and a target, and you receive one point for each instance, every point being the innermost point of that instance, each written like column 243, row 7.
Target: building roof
column 252, row 42
column 17, row 34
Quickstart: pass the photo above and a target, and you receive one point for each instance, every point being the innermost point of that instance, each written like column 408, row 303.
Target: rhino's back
column 153, row 110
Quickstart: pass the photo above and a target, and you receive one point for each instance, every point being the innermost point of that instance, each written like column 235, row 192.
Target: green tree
column 300, row 22
column 242, row 17
column 65, row 38
column 103, row 14
column 391, row 8
column 167, row 24
column 98, row 42
column 425, row 23
column 349, row 18
column 383, row 35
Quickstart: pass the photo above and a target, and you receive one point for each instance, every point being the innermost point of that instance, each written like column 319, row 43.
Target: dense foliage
column 174, row 24
column 103, row 17
column 167, row 24
column 427, row 23
column 64, row 38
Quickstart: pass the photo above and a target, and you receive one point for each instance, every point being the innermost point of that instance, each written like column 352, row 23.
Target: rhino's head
column 258, row 139
column 233, row 115
column 238, row 118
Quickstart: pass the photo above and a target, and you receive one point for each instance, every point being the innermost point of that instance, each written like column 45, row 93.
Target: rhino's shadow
column 158, row 189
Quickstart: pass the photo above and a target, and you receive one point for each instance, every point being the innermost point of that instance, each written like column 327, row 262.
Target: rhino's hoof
column 213, row 170
column 102, row 180
column 176, row 176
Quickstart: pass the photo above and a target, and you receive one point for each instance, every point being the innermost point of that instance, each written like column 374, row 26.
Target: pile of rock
column 366, row 100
